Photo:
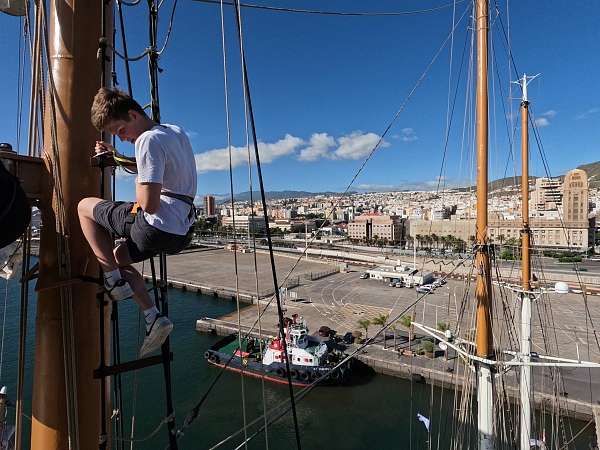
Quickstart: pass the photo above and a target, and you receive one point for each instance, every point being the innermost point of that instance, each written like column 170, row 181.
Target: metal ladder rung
column 129, row 366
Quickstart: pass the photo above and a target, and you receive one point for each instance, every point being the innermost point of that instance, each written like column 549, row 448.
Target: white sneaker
column 156, row 336
column 118, row 291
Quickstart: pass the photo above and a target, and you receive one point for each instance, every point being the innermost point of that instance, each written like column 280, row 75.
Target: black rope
column 193, row 413
column 331, row 13
column 153, row 70
column 116, row 335
column 22, row 333
column 102, row 45
column 268, row 231
column 124, row 44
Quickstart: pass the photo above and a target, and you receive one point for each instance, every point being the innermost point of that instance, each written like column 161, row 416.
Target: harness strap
column 184, row 198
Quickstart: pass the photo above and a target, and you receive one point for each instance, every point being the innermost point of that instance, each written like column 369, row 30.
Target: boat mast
column 483, row 335
column 525, row 294
column 74, row 30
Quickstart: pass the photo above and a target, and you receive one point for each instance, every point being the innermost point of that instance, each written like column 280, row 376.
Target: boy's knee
column 85, row 207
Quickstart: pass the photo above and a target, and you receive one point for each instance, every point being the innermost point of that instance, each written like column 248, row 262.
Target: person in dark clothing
column 15, row 210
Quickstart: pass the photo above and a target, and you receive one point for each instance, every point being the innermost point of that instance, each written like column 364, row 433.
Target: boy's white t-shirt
column 164, row 155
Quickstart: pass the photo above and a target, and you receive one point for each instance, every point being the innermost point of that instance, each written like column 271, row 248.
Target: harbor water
column 378, row 413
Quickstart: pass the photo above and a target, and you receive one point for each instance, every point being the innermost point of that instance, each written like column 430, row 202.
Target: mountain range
column 592, row 170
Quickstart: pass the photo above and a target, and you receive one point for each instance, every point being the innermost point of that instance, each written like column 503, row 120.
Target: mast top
column 523, row 82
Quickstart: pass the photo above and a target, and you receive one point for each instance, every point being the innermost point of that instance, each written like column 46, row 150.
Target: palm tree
column 436, row 239
column 472, row 240
column 394, row 328
column 501, row 238
column 444, row 240
column 406, row 322
column 411, row 241
column 381, row 320
column 428, row 241
column 461, row 245
column 419, row 239
column 365, row 323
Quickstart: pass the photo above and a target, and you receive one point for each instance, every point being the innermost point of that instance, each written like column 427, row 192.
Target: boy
column 161, row 216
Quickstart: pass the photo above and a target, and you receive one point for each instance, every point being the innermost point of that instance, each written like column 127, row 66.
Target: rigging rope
column 3, row 326
column 304, row 391
column 266, row 219
column 333, row 13
column 20, row 78
column 254, row 254
column 193, row 413
column 232, row 197
column 153, row 70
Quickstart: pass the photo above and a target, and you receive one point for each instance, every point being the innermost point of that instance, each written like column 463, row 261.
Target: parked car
column 400, row 284
column 439, row 282
column 425, row 289
column 364, row 276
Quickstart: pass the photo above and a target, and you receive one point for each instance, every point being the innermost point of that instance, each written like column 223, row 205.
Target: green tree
column 443, row 326
column 427, row 347
column 381, row 320
column 419, row 239
column 365, row 324
column 406, row 322
column 394, row 328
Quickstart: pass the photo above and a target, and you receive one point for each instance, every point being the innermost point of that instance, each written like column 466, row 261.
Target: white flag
column 423, row 419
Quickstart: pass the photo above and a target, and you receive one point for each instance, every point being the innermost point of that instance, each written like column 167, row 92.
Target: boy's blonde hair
column 112, row 104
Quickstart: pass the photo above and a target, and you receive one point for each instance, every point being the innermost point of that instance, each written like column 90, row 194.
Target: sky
column 324, row 89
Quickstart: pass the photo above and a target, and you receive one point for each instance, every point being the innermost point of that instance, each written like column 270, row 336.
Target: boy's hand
column 104, row 148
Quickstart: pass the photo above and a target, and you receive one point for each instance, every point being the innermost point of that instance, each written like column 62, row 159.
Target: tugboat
column 310, row 356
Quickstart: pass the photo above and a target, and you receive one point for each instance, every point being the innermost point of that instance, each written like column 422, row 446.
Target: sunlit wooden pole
column 483, row 336
column 74, row 32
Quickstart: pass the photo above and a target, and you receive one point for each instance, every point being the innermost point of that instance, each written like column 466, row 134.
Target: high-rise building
column 209, row 205
column 548, row 194
column 575, row 197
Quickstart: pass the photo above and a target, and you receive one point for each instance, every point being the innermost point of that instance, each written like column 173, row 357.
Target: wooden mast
column 483, row 336
column 74, row 30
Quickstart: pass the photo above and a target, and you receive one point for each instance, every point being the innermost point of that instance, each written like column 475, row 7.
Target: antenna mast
column 525, row 294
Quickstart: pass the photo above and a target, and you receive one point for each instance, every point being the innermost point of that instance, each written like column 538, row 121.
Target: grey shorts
column 143, row 240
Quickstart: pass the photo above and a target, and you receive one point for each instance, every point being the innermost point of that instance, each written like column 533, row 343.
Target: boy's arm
column 147, row 196
column 127, row 162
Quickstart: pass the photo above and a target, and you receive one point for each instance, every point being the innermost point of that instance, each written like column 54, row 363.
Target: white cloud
column 586, row 114
column 191, row 134
column 218, row 159
column 550, row 114
column 408, row 135
column 541, row 122
column 319, row 146
column 357, row 145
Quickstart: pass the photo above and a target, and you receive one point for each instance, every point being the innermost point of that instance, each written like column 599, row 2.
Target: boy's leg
column 99, row 220
column 158, row 327
column 97, row 236
column 133, row 277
